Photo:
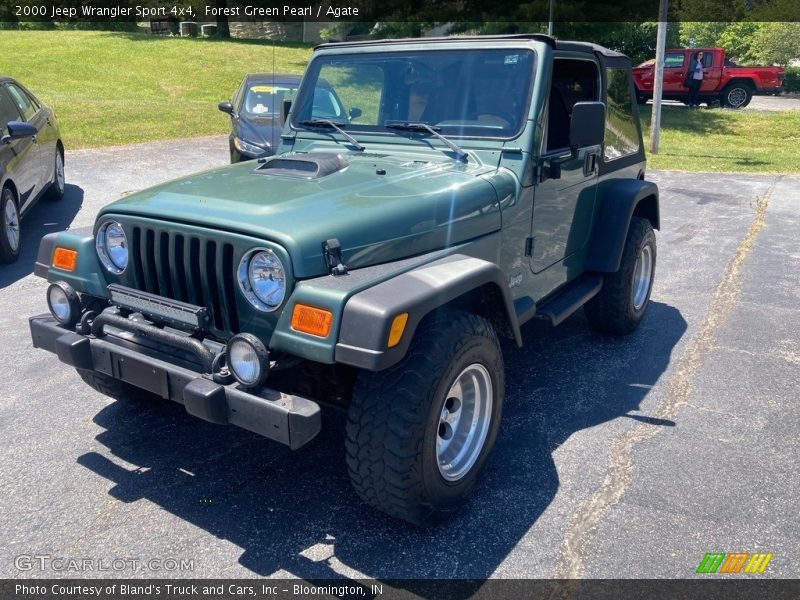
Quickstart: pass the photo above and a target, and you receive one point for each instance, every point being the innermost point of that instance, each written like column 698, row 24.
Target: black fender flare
column 367, row 316
column 617, row 203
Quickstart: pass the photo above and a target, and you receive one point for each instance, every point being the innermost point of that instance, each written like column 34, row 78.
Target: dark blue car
column 256, row 112
column 31, row 160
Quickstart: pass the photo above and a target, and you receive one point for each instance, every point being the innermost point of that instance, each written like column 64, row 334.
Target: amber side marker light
column 397, row 329
column 65, row 259
column 308, row 319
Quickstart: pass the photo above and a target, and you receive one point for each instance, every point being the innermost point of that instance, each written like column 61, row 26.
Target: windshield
column 467, row 93
column 263, row 99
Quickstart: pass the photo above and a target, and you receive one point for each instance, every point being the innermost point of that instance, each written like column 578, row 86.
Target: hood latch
column 332, row 250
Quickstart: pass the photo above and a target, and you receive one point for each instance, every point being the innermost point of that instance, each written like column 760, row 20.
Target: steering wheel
column 495, row 117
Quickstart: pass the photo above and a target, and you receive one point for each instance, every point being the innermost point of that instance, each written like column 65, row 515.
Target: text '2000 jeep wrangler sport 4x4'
column 473, row 184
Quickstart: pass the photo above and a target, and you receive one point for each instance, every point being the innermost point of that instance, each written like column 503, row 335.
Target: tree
column 748, row 42
column 775, row 43
column 701, row 34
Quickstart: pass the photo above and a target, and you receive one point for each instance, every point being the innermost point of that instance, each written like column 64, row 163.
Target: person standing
column 694, row 79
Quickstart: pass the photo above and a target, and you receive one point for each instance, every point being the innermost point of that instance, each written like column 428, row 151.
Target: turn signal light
column 397, row 329
column 308, row 319
column 65, row 258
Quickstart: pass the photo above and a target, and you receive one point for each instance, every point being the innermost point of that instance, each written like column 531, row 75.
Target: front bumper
column 290, row 420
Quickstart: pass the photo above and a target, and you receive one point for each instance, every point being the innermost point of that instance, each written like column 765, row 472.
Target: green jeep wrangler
column 473, row 184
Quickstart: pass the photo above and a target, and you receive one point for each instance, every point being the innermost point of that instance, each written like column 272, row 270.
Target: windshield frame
column 461, row 132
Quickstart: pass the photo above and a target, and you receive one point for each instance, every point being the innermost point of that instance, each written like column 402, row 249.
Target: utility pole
column 550, row 20
column 658, row 77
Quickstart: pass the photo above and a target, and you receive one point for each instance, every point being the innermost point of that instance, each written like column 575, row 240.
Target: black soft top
column 570, row 46
column 565, row 45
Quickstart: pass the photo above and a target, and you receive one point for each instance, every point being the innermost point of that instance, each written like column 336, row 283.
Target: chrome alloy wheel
column 464, row 422
column 60, row 179
column 642, row 277
column 11, row 219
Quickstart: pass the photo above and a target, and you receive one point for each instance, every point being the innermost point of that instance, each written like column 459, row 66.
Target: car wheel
column 113, row 388
column 737, row 95
column 622, row 301
column 419, row 433
column 10, row 232
column 58, row 185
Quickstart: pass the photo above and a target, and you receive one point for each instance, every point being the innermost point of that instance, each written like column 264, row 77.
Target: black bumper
column 287, row 419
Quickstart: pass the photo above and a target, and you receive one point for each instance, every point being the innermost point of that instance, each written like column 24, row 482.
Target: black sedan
column 31, row 160
column 256, row 111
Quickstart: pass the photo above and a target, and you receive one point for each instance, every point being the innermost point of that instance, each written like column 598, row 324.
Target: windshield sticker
column 511, row 59
column 268, row 89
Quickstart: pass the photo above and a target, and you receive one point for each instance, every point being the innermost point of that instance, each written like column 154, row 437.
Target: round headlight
column 64, row 303
column 112, row 247
column 262, row 279
column 248, row 360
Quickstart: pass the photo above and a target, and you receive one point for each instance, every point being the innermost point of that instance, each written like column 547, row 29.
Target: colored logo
column 734, row 562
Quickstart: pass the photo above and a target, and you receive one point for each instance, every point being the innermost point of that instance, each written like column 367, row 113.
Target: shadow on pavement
column 297, row 512
column 45, row 217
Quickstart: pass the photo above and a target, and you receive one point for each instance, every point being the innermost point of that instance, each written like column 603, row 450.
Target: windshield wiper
column 420, row 127
column 326, row 123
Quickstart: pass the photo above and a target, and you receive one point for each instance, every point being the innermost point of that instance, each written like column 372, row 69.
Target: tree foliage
column 748, row 42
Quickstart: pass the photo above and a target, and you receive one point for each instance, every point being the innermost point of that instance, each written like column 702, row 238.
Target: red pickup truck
column 723, row 81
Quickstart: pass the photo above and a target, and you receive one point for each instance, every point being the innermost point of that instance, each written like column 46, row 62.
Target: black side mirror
column 286, row 106
column 588, row 124
column 355, row 113
column 18, row 130
column 226, row 107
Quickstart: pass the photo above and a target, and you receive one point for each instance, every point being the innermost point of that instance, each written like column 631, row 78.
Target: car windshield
column 264, row 99
column 462, row 93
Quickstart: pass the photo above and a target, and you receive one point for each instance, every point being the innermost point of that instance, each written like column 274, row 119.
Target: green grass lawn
column 725, row 140
column 119, row 88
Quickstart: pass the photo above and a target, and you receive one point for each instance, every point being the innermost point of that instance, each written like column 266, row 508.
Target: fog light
column 248, row 360
column 64, row 303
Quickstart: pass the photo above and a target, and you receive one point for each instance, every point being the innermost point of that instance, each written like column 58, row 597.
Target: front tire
column 419, row 433
column 113, row 388
column 10, row 230
column 620, row 305
column 58, row 185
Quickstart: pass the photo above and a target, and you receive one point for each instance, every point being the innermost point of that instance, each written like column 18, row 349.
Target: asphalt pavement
column 628, row 457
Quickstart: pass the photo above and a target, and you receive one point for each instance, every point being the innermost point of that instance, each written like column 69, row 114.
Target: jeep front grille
column 190, row 269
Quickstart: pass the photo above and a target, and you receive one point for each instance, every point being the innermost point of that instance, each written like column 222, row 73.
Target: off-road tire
column 114, row 388
column 394, row 418
column 8, row 254
column 735, row 91
column 613, row 310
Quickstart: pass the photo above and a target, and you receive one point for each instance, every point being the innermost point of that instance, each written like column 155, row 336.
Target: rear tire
column 10, row 227
column 114, row 388
column 622, row 302
column 737, row 95
column 419, row 433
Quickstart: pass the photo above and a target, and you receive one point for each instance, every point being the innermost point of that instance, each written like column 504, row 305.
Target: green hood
column 416, row 206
